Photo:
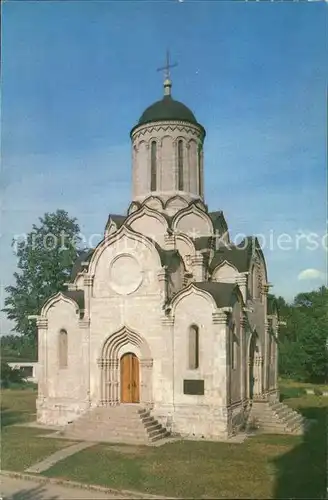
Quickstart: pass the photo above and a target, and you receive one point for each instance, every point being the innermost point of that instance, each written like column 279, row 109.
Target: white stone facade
column 160, row 287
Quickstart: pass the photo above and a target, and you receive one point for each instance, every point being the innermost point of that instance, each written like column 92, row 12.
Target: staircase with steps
column 128, row 423
column 277, row 418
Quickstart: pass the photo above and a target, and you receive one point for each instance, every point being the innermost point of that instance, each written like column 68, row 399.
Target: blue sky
column 76, row 76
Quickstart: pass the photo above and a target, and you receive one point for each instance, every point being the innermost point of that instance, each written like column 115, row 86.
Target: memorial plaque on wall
column 195, row 387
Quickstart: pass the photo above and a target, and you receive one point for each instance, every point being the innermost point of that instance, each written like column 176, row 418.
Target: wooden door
column 129, row 378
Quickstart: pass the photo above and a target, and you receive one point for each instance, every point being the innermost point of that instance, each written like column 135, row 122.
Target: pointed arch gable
column 200, row 204
column 227, row 264
column 203, row 224
column 173, row 199
column 110, row 227
column 187, row 240
column 257, row 253
column 55, row 299
column 187, row 292
column 225, row 272
column 151, row 202
column 134, row 206
column 123, row 232
column 146, row 210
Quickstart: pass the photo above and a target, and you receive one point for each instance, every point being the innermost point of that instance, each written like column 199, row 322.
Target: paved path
column 23, row 489
column 57, row 456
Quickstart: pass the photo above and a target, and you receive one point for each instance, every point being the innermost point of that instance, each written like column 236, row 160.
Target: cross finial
column 166, row 69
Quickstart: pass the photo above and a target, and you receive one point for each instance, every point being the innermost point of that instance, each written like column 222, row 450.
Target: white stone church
column 165, row 315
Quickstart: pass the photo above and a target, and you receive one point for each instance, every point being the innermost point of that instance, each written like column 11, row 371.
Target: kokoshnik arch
column 161, row 313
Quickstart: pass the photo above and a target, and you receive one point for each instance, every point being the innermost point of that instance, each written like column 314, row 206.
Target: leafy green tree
column 10, row 375
column 303, row 352
column 45, row 259
column 17, row 348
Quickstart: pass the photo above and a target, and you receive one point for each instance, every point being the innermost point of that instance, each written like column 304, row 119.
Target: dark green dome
column 167, row 109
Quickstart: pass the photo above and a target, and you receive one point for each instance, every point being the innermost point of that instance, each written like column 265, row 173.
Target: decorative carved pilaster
column 42, row 322
column 167, row 320
column 163, row 281
column 71, row 287
column 258, row 361
column 198, row 266
column 243, row 322
column 220, row 318
column 162, row 274
column 241, row 280
column 88, row 280
column 109, row 381
column 146, row 363
column 84, row 323
column 197, row 259
column 169, row 241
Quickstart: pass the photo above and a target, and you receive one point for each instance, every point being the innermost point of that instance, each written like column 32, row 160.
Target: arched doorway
column 255, row 368
column 110, row 362
column 129, row 367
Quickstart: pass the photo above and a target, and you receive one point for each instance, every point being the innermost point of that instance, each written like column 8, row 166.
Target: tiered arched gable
column 137, row 241
column 57, row 300
column 225, row 272
column 193, row 221
column 149, row 222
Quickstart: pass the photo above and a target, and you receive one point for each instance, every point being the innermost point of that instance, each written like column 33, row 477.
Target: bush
column 10, row 375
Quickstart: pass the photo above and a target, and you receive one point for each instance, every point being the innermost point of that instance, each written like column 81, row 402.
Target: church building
column 166, row 316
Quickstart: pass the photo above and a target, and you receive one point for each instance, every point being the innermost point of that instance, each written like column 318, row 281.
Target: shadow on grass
column 37, row 493
column 301, row 473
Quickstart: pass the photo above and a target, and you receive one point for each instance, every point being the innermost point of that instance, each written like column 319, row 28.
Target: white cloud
column 311, row 274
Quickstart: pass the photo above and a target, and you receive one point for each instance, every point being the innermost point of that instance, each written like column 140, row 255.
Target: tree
column 45, row 259
column 10, row 375
column 303, row 341
column 17, row 347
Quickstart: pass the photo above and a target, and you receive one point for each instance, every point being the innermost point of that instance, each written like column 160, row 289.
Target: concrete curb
column 83, row 486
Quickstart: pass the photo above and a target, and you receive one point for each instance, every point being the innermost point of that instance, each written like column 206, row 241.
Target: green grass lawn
column 264, row 466
column 285, row 382
column 21, row 446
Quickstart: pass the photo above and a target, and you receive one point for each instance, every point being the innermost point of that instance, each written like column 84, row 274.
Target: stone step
column 278, row 418
column 162, row 435
column 123, row 423
column 293, row 420
column 276, row 405
column 110, row 430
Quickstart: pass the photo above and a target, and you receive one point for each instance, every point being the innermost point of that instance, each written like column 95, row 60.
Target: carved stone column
column 187, row 172
column 242, row 283
column 42, row 324
column 169, row 241
column 84, row 325
column 163, row 281
column 168, row 331
column 275, row 358
column 221, row 319
column 201, row 173
column 243, row 364
column 266, row 361
column 198, row 267
column 257, row 373
column 146, row 396
column 109, row 381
